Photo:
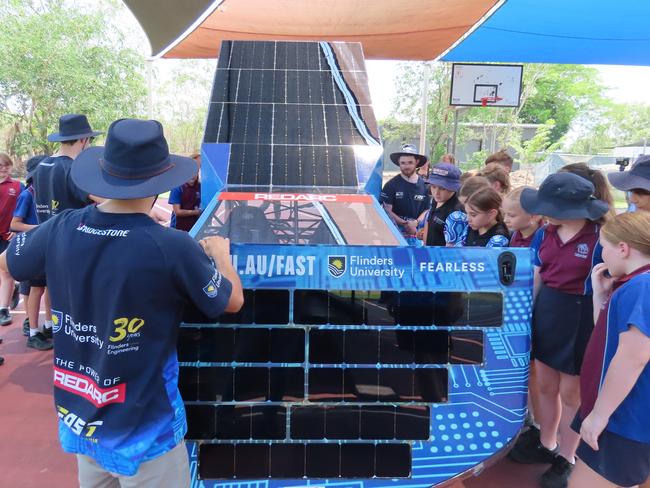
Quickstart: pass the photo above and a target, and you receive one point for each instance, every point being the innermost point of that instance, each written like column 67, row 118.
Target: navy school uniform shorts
column 619, row 460
column 562, row 326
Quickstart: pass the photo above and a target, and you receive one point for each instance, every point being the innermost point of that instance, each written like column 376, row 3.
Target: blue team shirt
column 25, row 208
column 119, row 285
column 175, row 197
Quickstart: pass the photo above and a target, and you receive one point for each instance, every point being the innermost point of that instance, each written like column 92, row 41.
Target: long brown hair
column 598, row 179
column 486, row 199
column 473, row 184
column 494, row 172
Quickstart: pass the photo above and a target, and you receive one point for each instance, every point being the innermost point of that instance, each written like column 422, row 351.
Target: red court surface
column 30, row 456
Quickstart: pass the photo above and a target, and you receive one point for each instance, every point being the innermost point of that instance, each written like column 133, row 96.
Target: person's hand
column 411, row 226
column 420, row 234
column 591, row 429
column 11, row 235
column 216, row 247
column 601, row 282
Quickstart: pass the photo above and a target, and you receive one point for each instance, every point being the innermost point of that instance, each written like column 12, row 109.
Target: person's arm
column 537, row 282
column 3, row 262
column 17, row 225
column 185, row 213
column 602, row 286
column 218, row 248
column 393, row 216
column 632, row 356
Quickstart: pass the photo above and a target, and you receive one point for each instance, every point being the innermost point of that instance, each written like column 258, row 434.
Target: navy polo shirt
column 408, row 199
column 54, row 190
column 566, row 266
column 628, row 305
column 119, row 284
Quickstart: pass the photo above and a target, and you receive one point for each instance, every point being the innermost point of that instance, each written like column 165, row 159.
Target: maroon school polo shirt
column 566, row 266
column 9, row 192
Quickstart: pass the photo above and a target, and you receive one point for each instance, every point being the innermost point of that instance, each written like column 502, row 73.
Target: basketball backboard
column 496, row 85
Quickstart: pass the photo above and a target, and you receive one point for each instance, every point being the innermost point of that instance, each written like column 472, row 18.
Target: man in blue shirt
column 405, row 196
column 119, row 285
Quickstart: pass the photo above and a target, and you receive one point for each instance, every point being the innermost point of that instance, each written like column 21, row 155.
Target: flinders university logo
column 337, row 265
column 57, row 319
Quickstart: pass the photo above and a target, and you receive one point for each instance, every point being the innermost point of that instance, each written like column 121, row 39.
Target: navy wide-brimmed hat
column 71, row 128
column 409, row 150
column 134, row 163
column 637, row 178
column 32, row 164
column 564, row 196
column 445, row 175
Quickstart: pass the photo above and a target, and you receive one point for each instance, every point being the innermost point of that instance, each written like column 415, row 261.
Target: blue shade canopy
column 563, row 32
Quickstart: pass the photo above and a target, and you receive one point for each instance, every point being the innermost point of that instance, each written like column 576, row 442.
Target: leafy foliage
column 56, row 58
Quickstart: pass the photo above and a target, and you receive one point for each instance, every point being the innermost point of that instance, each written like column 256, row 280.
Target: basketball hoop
column 486, row 100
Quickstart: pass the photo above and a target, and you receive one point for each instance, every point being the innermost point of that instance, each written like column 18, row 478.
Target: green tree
column 535, row 149
column 557, row 93
column 57, row 58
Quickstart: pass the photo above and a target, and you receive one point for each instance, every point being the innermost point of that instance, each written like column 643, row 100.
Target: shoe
column 47, row 333
column 527, row 452
column 15, row 296
column 39, row 342
column 26, row 327
column 531, row 436
column 5, row 317
column 557, row 476
column 2, row 360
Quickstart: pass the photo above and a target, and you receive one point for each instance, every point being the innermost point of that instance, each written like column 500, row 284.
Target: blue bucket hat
column 134, row 163
column 409, row 150
column 71, row 128
column 638, row 176
column 445, row 175
column 564, row 196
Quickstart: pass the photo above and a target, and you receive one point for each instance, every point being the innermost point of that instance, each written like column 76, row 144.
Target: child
column 597, row 178
column 186, row 201
column 456, row 224
column 444, row 183
column 486, row 227
column 9, row 191
column 497, row 176
column 615, row 381
column 636, row 181
column 502, row 158
column 25, row 219
column 565, row 251
column 522, row 224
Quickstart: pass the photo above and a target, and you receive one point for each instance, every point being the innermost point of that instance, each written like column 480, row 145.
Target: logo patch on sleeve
column 212, row 288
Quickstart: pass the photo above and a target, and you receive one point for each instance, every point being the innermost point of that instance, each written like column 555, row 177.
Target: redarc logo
column 295, row 197
column 86, row 388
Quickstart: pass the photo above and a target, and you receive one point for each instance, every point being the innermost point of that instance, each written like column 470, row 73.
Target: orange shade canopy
column 387, row 29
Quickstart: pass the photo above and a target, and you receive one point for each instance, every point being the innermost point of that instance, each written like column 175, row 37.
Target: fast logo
column 337, row 265
column 57, row 320
column 85, row 387
column 77, row 424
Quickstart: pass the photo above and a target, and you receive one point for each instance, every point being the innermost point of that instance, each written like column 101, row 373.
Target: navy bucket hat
column 564, row 196
column 445, row 175
column 637, row 178
column 409, row 150
column 32, row 164
column 134, row 163
column 71, row 128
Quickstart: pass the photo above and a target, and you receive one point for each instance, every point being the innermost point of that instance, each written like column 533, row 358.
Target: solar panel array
column 292, row 112
column 322, row 383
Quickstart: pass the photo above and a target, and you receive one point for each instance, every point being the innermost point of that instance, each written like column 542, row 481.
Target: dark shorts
column 26, row 285
column 619, row 460
column 3, row 245
column 562, row 325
